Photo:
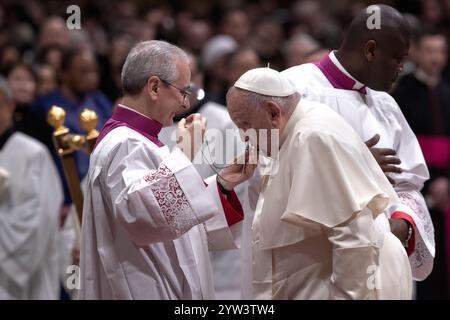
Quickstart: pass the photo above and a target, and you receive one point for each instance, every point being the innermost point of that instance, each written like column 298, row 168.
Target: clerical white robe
column 29, row 221
column 148, row 222
column 370, row 113
column 231, row 268
column 320, row 230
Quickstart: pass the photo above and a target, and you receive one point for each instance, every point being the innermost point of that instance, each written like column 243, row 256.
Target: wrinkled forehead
column 234, row 100
column 237, row 106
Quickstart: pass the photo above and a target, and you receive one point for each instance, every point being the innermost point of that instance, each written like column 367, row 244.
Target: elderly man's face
column 255, row 122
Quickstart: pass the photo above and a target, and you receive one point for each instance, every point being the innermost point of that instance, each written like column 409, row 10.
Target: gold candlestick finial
column 56, row 117
column 88, row 121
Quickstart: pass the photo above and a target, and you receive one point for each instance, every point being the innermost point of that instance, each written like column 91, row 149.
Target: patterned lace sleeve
column 425, row 234
column 171, row 199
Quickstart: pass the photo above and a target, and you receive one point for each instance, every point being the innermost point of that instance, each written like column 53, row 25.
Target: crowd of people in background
column 45, row 63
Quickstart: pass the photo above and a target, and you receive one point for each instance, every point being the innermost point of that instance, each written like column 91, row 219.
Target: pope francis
column 320, row 229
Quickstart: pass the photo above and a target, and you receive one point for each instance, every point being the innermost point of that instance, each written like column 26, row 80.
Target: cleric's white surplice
column 372, row 112
column 148, row 218
column 29, row 220
column 320, row 230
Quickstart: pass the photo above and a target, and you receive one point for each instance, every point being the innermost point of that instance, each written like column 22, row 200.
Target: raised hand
column 190, row 134
column 240, row 170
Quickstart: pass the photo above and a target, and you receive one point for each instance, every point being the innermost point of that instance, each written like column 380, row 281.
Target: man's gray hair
column 253, row 99
column 5, row 89
column 150, row 58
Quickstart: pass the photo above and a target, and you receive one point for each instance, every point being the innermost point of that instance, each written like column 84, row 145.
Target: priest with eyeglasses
column 149, row 218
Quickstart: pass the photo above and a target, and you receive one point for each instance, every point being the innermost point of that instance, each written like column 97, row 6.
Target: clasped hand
column 190, row 134
column 385, row 157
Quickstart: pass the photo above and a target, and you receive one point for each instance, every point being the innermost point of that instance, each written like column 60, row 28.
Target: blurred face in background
column 240, row 62
column 9, row 55
column 53, row 57
column 47, row 80
column 196, row 36
column 120, row 47
column 432, row 11
column 268, row 39
column 236, row 24
column 298, row 49
column 118, row 52
column 54, row 32
column 23, row 85
column 82, row 75
column 432, row 54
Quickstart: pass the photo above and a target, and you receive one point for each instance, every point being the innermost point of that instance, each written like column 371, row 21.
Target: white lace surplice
column 148, row 219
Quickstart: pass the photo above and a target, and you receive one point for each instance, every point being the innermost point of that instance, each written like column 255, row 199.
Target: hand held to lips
column 190, row 134
column 241, row 169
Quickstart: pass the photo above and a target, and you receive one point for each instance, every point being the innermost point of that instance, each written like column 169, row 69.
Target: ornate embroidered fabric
column 172, row 200
column 421, row 253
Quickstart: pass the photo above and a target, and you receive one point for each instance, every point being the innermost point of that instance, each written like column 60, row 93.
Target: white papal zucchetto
column 266, row 81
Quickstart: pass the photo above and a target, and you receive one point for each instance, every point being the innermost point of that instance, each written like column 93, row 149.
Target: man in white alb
column 149, row 218
column 352, row 81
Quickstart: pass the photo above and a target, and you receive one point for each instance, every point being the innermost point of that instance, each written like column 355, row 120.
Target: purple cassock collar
column 337, row 78
column 124, row 116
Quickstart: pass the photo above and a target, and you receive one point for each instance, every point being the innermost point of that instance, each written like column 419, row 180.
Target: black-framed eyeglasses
column 184, row 93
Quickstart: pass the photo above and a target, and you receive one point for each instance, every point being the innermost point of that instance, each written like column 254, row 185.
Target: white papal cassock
column 320, row 228
column 149, row 218
column 29, row 220
column 372, row 112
